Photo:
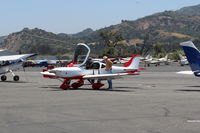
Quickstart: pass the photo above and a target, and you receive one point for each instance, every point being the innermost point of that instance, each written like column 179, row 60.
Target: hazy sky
column 71, row 16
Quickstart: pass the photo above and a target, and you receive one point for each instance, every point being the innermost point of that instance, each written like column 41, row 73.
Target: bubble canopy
column 81, row 54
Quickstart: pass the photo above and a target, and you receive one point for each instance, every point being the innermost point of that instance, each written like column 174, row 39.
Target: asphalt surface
column 157, row 101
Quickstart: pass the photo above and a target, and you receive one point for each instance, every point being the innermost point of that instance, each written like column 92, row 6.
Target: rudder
column 133, row 62
column 192, row 54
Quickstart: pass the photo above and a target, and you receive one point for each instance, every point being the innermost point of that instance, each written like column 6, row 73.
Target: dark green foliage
column 158, row 48
column 110, row 40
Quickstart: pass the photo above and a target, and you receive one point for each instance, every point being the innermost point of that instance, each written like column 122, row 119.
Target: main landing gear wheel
column 3, row 78
column 16, row 78
column 97, row 86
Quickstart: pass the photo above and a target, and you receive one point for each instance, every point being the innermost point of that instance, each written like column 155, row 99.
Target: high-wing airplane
column 10, row 63
column 95, row 72
column 193, row 56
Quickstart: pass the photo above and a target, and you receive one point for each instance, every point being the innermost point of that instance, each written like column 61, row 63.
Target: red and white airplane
column 75, row 71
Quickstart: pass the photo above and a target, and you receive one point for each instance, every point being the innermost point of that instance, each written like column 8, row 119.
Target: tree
column 158, row 49
column 110, row 40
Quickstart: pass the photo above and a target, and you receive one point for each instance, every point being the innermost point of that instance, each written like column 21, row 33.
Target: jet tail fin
column 193, row 55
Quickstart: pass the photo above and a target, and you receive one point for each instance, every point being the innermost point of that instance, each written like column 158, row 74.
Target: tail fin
column 148, row 57
column 166, row 56
column 133, row 62
column 192, row 54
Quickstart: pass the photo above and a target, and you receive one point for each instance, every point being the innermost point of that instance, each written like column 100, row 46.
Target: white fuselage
column 67, row 72
column 11, row 67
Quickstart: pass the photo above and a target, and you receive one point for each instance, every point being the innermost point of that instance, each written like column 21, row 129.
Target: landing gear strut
column 65, row 85
column 77, row 84
column 15, row 77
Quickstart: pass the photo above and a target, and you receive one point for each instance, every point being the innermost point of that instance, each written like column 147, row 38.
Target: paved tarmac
column 157, row 101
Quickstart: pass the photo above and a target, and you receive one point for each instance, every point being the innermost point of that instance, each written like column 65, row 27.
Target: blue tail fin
column 192, row 54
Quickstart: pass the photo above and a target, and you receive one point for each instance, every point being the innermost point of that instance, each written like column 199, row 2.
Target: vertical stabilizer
column 192, row 54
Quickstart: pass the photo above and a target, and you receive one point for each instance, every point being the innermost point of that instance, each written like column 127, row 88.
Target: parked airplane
column 147, row 60
column 183, row 60
column 95, row 72
column 193, row 56
column 157, row 61
column 10, row 63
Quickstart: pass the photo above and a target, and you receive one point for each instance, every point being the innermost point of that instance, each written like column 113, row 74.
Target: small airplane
column 10, row 63
column 183, row 60
column 193, row 56
column 97, row 72
column 157, row 61
column 147, row 60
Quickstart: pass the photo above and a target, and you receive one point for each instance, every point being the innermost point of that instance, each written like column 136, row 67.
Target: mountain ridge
column 168, row 28
column 190, row 10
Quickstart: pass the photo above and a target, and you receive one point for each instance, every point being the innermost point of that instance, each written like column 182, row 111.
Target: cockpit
column 81, row 58
column 96, row 65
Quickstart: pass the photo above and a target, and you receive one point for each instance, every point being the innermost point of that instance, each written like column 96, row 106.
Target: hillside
column 38, row 41
column 167, row 29
column 167, row 21
column 190, row 11
column 83, row 33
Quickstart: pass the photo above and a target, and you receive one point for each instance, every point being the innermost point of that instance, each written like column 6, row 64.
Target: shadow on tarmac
column 129, row 87
column 190, row 90
column 194, row 86
column 56, row 88
column 14, row 82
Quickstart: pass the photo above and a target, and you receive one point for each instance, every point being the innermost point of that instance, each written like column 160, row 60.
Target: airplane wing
column 107, row 76
column 16, row 57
